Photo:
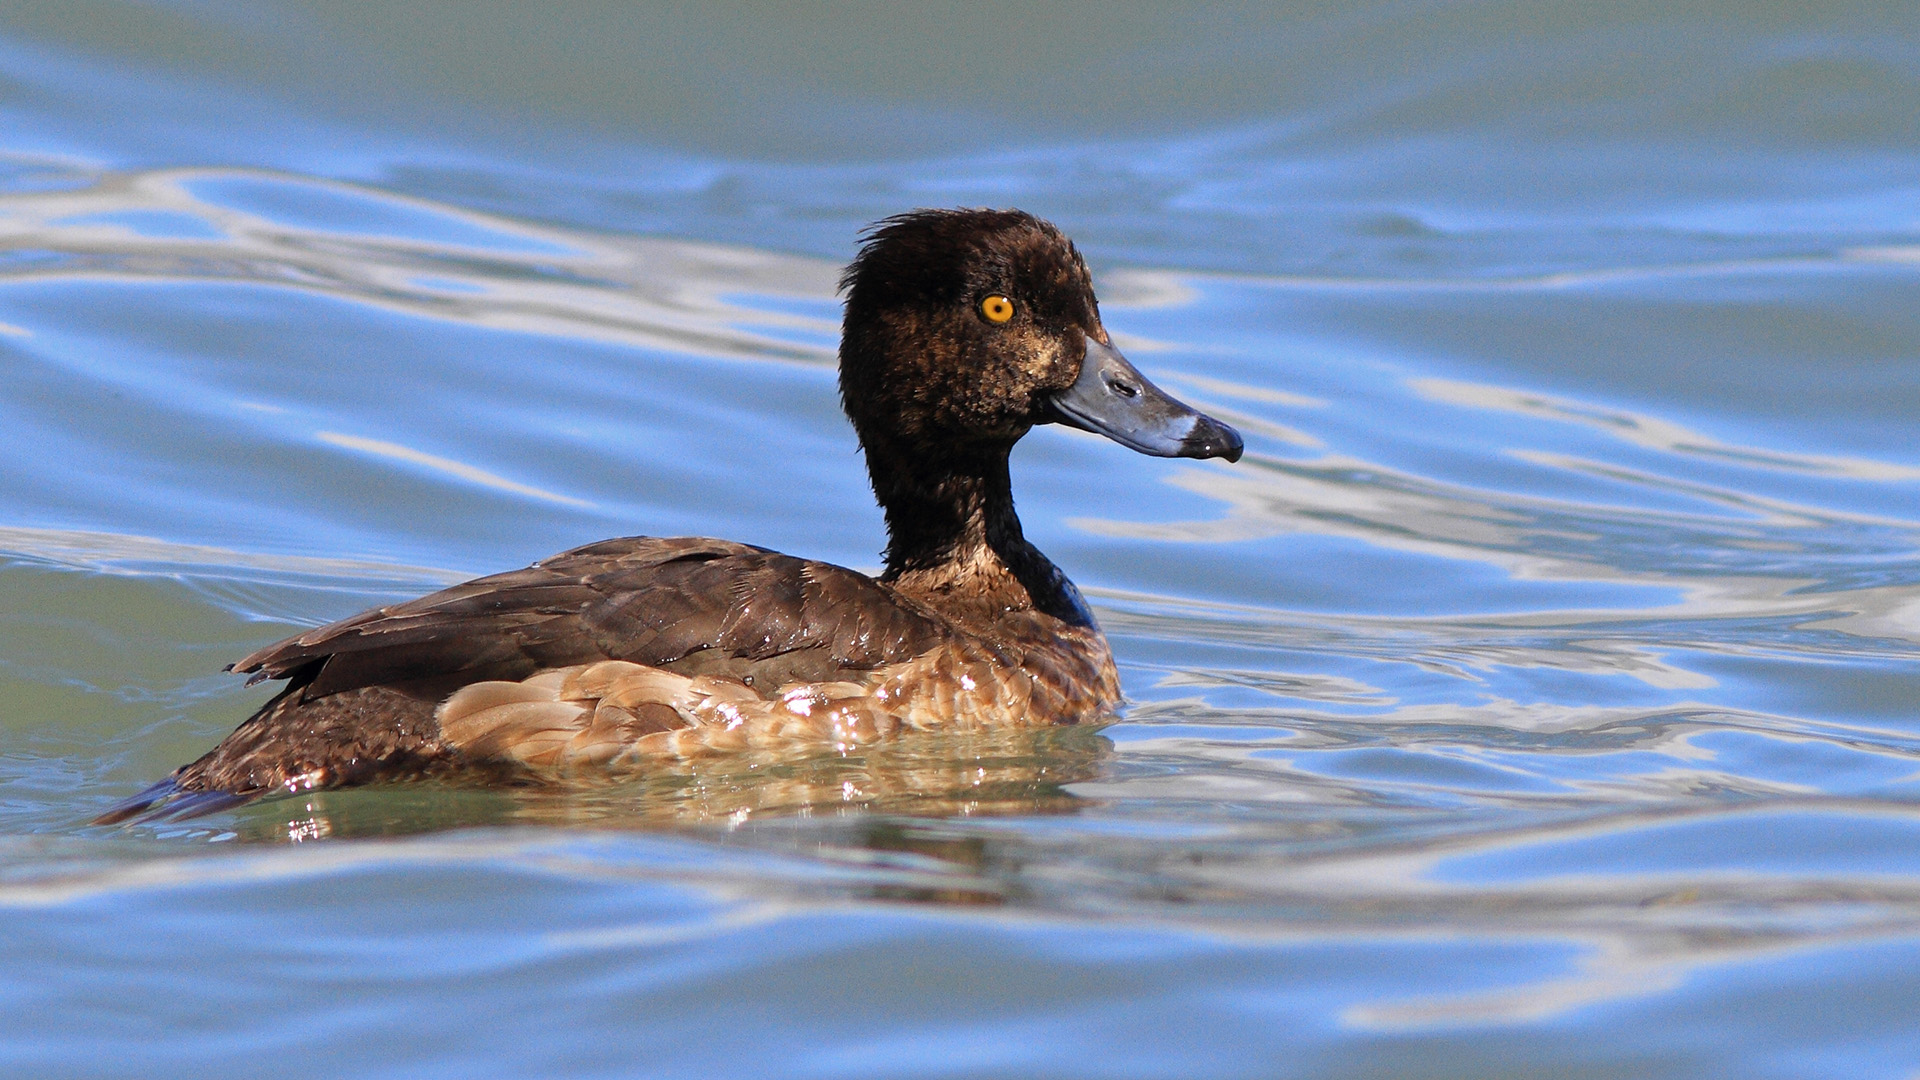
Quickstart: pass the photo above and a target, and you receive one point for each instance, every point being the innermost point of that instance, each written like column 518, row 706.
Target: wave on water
column 1445, row 656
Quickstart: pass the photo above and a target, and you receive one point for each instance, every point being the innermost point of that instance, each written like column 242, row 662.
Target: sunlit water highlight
column 1538, row 695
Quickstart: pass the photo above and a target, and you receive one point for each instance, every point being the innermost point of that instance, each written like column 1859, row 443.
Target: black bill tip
column 1210, row 438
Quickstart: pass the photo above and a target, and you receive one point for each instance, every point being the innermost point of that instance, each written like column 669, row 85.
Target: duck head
column 965, row 328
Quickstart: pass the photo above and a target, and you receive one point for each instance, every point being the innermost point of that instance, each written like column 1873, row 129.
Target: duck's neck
column 954, row 541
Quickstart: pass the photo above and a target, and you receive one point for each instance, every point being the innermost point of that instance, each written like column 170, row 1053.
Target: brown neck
column 954, row 541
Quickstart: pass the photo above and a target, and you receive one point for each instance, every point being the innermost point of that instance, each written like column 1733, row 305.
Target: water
column 1538, row 697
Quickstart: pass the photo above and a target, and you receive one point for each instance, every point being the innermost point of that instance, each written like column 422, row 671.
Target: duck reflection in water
column 963, row 330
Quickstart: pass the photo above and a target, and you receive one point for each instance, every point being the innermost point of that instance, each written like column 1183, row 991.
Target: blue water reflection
column 1537, row 696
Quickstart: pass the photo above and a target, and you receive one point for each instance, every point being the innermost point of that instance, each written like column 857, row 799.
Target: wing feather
column 640, row 599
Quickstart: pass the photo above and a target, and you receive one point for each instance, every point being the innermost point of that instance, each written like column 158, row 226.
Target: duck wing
column 641, row 599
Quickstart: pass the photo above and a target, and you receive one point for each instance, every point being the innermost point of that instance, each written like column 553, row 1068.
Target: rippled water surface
column 1540, row 695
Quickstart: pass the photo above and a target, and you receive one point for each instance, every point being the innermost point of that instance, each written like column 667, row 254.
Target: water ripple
column 1499, row 698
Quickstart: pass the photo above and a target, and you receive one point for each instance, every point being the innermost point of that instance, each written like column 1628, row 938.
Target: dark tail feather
column 129, row 808
column 165, row 801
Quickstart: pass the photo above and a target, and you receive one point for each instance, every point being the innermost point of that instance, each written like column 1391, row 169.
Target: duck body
column 963, row 330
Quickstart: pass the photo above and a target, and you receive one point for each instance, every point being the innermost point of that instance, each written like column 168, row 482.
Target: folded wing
column 697, row 603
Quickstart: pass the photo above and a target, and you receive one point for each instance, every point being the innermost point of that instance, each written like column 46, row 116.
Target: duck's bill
column 1111, row 398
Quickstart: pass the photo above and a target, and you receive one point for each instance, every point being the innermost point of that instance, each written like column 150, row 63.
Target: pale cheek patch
column 1052, row 365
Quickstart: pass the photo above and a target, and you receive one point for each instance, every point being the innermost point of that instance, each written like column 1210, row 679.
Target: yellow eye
column 996, row 308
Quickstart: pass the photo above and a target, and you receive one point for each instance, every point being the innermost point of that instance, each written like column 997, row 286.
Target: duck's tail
column 293, row 745
column 167, row 801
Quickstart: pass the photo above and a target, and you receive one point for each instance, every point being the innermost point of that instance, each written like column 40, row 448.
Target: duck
column 963, row 330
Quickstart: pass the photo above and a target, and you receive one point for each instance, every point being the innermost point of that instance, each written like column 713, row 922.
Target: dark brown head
column 964, row 328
